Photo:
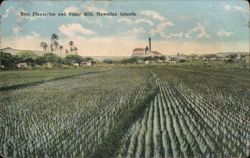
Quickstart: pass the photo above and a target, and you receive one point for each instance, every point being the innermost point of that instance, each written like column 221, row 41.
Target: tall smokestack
column 149, row 44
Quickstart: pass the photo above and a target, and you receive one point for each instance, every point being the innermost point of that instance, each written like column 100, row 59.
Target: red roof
column 139, row 49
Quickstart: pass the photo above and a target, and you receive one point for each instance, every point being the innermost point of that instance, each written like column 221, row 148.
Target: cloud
column 17, row 13
column 176, row 35
column 132, row 34
column 125, row 20
column 159, row 29
column 10, row 10
column 136, row 31
column 35, row 34
column 71, row 30
column 228, row 7
column 138, row 21
column 47, row 3
column 153, row 14
column 93, row 8
column 95, row 21
column 199, row 31
column 17, row 29
column 72, row 9
column 224, row 33
column 240, row 9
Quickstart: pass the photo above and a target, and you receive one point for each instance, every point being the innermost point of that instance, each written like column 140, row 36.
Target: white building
column 146, row 52
column 87, row 63
column 138, row 52
column 76, row 65
column 22, row 65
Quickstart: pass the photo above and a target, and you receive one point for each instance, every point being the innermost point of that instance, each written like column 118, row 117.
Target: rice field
column 128, row 111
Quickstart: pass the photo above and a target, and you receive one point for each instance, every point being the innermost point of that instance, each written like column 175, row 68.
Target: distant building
column 213, row 59
column 76, row 65
column 238, row 57
column 140, row 62
column 48, row 64
column 155, row 54
column 146, row 62
column 138, row 52
column 159, row 61
column 168, row 58
column 171, row 62
column 179, row 58
column 22, row 65
column 87, row 63
column 146, row 52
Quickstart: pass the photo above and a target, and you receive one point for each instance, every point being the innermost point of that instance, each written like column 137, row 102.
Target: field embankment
column 20, row 79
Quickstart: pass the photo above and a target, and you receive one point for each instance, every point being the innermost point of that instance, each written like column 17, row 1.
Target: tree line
column 52, row 55
column 32, row 59
column 56, row 47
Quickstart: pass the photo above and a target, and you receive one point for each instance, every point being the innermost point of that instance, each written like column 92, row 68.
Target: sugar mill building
column 146, row 52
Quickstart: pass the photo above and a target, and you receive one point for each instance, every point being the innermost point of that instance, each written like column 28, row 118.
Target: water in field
column 129, row 111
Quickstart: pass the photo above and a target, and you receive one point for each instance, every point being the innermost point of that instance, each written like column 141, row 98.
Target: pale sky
column 175, row 26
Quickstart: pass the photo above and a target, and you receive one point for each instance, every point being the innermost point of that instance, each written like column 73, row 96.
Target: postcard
column 102, row 79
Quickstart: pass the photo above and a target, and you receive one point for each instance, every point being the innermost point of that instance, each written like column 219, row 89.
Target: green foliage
column 148, row 58
column 16, row 78
column 177, row 110
column 129, row 60
column 48, row 58
column 71, row 59
column 111, row 143
column 87, row 59
column 162, row 58
column 232, row 56
column 8, row 60
column 108, row 61
column 137, row 59
column 155, row 58
column 28, row 56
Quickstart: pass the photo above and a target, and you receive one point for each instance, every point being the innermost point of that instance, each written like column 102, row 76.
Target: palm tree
column 76, row 50
column 41, row 45
column 56, row 44
column 51, row 47
column 54, row 37
column 60, row 47
column 71, row 44
column 54, row 41
column 71, row 49
column 44, row 45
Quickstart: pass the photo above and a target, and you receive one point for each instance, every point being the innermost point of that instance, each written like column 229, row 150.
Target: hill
column 13, row 51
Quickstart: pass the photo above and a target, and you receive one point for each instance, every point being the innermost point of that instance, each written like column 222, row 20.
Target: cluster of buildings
column 146, row 52
column 84, row 63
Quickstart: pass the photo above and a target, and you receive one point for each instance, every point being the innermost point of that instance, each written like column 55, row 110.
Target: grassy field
column 20, row 78
column 181, row 110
